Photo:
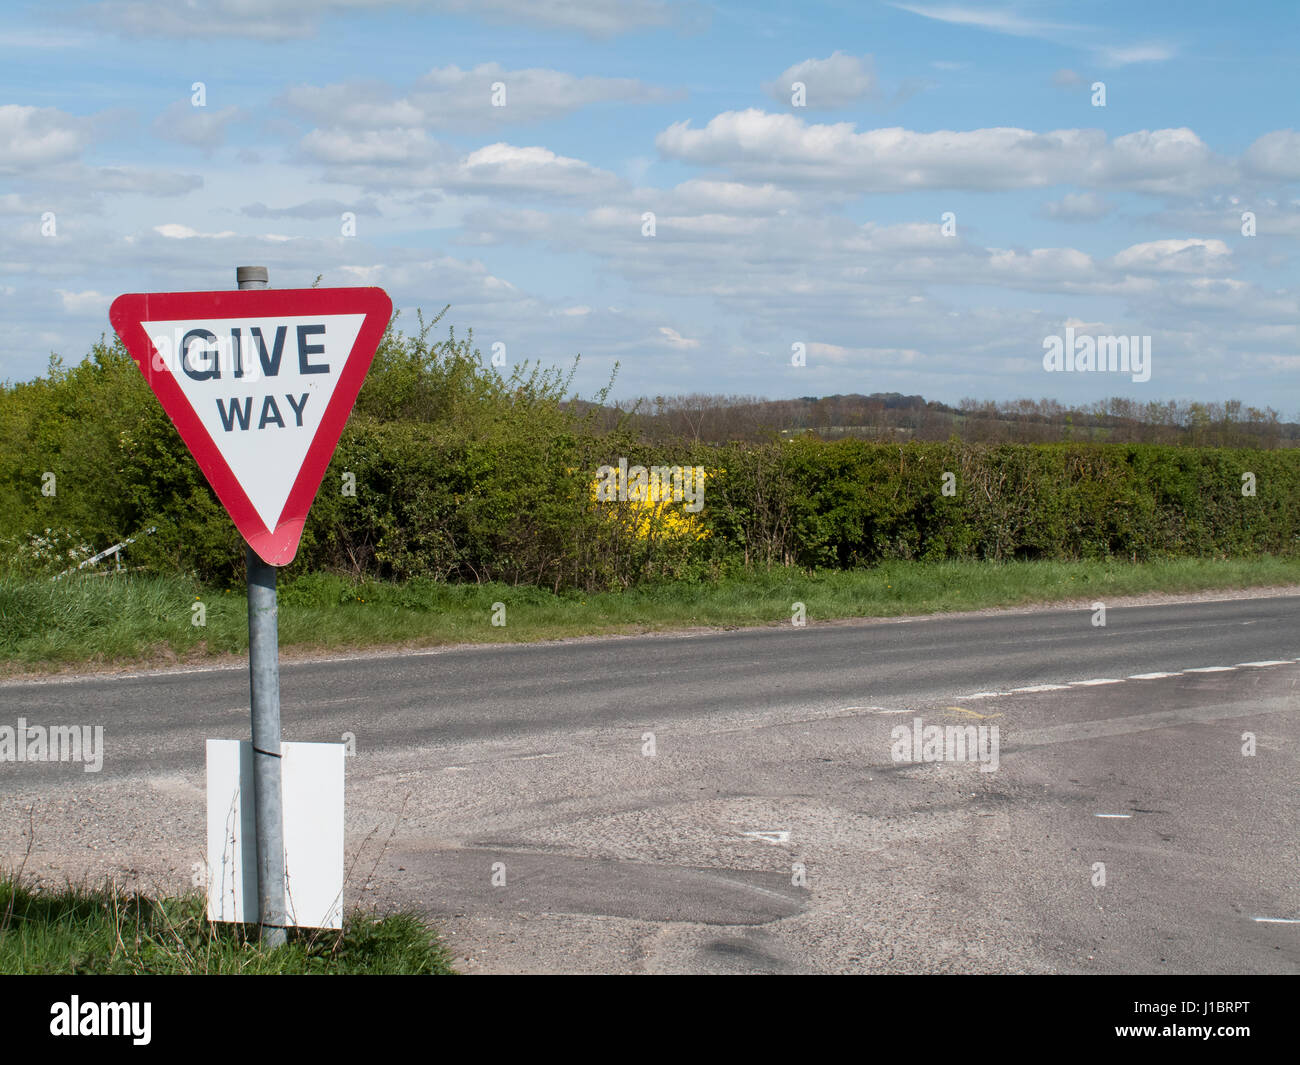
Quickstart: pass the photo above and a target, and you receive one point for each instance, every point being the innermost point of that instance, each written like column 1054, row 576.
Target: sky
column 765, row 199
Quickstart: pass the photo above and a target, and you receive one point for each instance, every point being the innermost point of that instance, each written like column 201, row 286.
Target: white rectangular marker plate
column 312, row 796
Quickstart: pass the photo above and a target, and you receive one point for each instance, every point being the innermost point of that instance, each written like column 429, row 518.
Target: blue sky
column 775, row 224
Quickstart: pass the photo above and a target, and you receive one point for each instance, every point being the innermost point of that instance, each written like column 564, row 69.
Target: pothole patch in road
column 746, row 952
column 469, row 880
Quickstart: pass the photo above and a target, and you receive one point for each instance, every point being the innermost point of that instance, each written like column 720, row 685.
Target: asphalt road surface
column 742, row 802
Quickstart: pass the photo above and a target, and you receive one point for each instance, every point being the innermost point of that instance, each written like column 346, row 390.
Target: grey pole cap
column 252, row 276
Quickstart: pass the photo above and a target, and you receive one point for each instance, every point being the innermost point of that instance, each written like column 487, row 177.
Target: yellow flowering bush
column 650, row 511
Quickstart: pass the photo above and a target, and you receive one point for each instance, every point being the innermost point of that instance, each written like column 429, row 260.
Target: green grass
column 78, row 931
column 122, row 619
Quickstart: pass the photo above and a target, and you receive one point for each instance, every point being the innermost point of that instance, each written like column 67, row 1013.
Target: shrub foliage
column 466, row 473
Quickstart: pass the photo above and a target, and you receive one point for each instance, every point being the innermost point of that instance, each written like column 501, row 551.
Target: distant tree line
column 896, row 418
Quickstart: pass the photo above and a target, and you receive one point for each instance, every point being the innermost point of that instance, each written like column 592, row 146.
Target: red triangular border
column 276, row 546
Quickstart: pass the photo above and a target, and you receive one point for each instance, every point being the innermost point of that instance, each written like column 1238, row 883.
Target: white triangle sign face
column 270, row 401
column 259, row 383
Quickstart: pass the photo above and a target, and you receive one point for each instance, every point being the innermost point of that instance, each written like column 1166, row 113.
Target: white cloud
column 408, row 159
column 702, row 194
column 199, row 127
column 597, row 18
column 1275, row 155
column 41, row 148
column 1001, row 20
column 757, row 145
column 176, row 231
column 311, row 209
column 1183, row 256
column 986, row 19
column 1040, row 264
column 1171, row 161
column 290, row 19
column 674, row 339
column 389, row 147
column 1136, row 53
column 857, row 356
column 270, row 20
column 89, row 302
column 11, row 203
column 465, row 284
column 834, row 82
column 37, row 136
column 528, row 171
column 126, row 180
column 452, row 98
column 1271, row 219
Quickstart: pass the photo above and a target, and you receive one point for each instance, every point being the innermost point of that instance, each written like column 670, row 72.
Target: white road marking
column 1035, row 688
column 775, row 836
column 1113, row 815
column 1276, row 920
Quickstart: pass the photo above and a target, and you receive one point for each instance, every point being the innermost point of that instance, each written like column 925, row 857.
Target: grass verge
column 78, row 931
column 128, row 619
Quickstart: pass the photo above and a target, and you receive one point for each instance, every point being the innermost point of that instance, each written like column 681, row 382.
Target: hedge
column 464, row 474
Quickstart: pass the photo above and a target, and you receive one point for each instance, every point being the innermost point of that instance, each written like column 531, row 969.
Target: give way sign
column 259, row 383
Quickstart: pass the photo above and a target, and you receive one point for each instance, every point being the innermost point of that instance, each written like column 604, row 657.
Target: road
column 731, row 802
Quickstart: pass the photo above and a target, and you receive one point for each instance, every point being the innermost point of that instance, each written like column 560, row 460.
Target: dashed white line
column 1276, row 920
column 1121, row 816
column 1034, row 688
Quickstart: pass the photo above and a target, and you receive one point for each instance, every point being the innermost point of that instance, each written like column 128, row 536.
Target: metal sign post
column 259, row 384
column 264, row 690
